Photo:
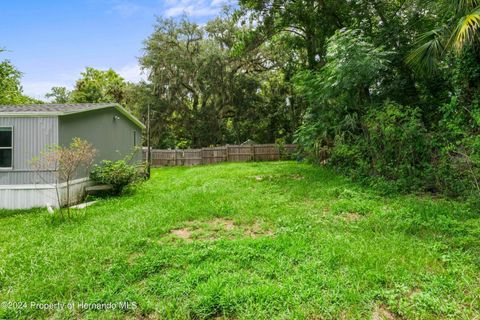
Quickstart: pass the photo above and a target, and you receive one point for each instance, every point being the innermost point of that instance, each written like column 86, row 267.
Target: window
column 134, row 138
column 6, row 147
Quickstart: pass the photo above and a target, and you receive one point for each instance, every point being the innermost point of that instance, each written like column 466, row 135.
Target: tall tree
column 310, row 22
column 98, row 86
column 59, row 95
column 207, row 88
column 11, row 91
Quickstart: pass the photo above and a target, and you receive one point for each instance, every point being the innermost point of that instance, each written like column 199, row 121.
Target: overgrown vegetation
column 275, row 240
column 391, row 87
column 385, row 91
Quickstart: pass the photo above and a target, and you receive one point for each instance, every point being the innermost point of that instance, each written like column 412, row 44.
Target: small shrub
column 118, row 174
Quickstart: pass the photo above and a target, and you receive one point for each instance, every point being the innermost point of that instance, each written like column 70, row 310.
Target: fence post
column 219, row 154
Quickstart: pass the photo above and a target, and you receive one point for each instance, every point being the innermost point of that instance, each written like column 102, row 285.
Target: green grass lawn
column 246, row 241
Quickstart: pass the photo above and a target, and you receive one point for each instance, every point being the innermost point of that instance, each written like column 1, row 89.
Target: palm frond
column 466, row 30
column 466, row 5
column 429, row 49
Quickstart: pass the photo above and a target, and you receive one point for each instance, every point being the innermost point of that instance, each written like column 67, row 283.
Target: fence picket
column 228, row 153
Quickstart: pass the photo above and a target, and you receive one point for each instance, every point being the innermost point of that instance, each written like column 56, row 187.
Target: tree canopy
column 386, row 91
column 11, row 91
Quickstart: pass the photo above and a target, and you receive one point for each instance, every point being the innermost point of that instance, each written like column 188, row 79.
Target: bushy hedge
column 118, row 174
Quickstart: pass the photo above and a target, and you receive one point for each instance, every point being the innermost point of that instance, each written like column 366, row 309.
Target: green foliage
column 353, row 63
column 96, row 86
column 339, row 94
column 456, row 27
column 118, row 174
column 352, row 125
column 59, row 95
column 303, row 243
column 206, row 90
column 10, row 86
column 394, row 147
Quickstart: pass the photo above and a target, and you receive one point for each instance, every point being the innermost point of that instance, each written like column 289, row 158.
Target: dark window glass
column 5, row 137
column 5, row 158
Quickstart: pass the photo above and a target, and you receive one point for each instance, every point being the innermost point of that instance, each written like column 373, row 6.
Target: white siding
column 31, row 136
column 33, row 196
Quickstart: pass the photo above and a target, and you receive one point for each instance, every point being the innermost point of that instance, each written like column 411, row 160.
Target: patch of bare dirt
column 297, row 177
column 256, row 231
column 413, row 292
column 133, row 257
column 382, row 313
column 350, row 216
column 183, row 233
column 219, row 228
column 223, row 223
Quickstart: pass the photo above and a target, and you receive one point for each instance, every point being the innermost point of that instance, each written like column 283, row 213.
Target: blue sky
column 52, row 41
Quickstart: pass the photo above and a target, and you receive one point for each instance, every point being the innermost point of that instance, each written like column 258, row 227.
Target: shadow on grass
column 4, row 213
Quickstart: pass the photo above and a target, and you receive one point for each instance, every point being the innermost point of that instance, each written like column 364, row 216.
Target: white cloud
column 132, row 73
column 196, row 8
column 38, row 89
column 173, row 8
column 191, row 10
column 127, row 9
column 220, row 2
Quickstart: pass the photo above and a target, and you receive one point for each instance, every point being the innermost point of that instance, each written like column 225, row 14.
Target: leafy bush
column 118, row 174
column 458, row 164
column 394, row 149
column 349, row 126
column 341, row 93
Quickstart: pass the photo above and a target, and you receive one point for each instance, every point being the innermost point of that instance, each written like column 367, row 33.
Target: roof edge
column 117, row 106
column 129, row 116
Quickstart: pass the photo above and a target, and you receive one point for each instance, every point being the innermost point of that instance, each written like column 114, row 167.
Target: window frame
column 8, row 148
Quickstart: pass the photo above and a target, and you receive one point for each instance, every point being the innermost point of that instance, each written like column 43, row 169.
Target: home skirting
column 26, row 196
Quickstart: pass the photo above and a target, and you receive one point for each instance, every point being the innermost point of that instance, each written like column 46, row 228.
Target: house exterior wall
column 22, row 187
column 31, row 136
column 109, row 131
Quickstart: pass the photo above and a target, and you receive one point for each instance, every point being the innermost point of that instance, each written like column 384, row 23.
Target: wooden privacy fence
column 228, row 153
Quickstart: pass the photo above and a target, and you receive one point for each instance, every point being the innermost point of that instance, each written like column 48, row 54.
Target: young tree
column 66, row 164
